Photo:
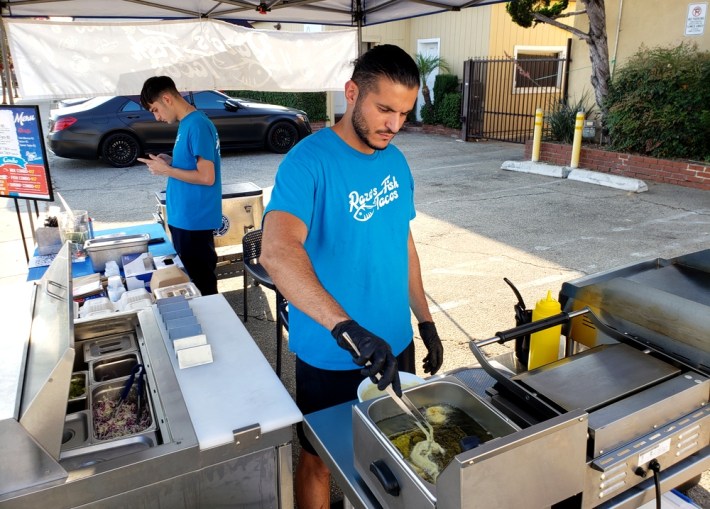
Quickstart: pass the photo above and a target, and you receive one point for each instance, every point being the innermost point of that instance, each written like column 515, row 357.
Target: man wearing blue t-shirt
column 194, row 191
column 337, row 244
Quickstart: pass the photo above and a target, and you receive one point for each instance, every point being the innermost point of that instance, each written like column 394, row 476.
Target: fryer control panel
column 615, row 472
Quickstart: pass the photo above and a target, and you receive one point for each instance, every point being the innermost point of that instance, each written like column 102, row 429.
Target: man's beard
column 360, row 127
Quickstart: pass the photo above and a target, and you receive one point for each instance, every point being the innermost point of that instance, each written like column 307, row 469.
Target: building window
column 538, row 69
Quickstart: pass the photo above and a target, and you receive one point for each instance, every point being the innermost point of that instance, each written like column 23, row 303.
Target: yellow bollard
column 577, row 141
column 537, row 136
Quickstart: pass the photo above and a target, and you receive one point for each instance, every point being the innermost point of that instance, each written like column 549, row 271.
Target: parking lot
column 476, row 224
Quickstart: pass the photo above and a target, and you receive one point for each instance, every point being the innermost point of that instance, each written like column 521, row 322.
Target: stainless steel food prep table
column 219, row 434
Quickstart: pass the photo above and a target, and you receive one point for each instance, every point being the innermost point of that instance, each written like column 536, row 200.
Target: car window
column 131, row 106
column 208, row 101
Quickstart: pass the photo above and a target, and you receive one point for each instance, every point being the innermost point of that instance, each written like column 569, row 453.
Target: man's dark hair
column 154, row 87
column 387, row 61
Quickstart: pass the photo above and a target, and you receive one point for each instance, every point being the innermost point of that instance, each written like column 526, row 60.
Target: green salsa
column 77, row 387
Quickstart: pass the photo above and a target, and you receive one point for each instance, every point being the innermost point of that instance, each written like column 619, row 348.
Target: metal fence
column 500, row 95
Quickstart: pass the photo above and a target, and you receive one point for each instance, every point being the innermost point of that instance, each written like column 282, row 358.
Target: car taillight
column 63, row 123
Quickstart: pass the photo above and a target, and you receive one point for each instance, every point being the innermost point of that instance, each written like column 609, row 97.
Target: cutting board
column 239, row 388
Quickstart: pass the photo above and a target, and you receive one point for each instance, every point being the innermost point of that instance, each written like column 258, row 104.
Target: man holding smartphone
column 194, row 189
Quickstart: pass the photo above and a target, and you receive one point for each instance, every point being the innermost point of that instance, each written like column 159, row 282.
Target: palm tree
column 427, row 64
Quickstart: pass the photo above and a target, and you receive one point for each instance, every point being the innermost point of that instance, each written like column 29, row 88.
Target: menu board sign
column 24, row 172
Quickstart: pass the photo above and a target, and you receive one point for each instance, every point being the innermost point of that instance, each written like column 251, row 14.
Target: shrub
column 449, row 110
column 443, row 84
column 562, row 117
column 428, row 114
column 659, row 104
column 313, row 103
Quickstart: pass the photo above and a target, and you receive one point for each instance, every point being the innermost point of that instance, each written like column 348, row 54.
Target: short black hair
column 388, row 61
column 154, row 87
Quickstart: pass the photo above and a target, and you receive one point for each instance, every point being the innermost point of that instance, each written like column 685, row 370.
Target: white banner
column 54, row 59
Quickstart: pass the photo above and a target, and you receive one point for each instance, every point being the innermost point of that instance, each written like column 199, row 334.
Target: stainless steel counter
column 220, row 434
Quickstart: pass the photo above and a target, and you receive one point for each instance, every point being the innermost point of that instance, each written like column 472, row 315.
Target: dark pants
column 317, row 388
column 198, row 255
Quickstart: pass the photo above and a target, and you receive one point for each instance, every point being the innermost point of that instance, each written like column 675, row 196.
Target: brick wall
column 317, row 125
column 680, row 173
column 432, row 129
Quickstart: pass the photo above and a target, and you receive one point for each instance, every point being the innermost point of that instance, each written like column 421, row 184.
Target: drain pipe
column 616, row 41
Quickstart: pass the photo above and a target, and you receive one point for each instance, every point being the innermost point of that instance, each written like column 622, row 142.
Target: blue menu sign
column 24, row 172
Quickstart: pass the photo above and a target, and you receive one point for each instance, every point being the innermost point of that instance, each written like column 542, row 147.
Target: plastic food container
column 112, row 248
column 367, row 390
column 96, row 307
column 135, row 299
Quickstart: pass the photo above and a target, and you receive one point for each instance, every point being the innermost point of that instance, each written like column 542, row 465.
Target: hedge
column 313, row 103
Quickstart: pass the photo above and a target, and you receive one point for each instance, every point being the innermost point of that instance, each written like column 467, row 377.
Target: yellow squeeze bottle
column 545, row 345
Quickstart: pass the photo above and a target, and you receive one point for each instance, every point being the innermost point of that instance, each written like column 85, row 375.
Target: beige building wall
column 388, row 33
column 505, row 34
column 656, row 23
column 462, row 35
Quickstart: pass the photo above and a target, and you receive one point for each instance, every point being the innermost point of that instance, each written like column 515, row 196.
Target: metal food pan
column 112, row 248
column 76, row 431
column 112, row 390
column 112, row 368
column 80, row 402
column 95, row 453
column 109, row 346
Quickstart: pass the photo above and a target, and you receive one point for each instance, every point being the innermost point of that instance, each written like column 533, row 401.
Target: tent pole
column 359, row 38
column 358, row 19
column 5, row 64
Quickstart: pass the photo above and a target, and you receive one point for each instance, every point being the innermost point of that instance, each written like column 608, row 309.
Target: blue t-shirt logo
column 365, row 205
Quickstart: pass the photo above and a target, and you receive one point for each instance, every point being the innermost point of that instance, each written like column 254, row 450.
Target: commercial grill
column 624, row 409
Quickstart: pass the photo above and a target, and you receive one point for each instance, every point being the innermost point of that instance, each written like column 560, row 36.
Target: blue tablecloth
column 84, row 268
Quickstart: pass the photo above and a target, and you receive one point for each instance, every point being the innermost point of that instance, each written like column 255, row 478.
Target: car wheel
column 120, row 150
column 282, row 137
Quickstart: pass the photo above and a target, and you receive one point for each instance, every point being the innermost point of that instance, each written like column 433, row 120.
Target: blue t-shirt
column 357, row 209
column 194, row 206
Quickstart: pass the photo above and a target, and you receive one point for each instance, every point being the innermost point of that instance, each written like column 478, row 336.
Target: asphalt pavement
column 475, row 225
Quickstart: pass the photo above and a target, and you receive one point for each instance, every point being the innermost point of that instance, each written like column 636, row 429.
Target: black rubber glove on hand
column 435, row 357
column 373, row 349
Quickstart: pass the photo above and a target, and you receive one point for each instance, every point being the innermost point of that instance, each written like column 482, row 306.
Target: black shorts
column 317, row 388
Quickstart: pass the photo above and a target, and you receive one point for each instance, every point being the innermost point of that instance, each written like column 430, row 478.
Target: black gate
column 500, row 95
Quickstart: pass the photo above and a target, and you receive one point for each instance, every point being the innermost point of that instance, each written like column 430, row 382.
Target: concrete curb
column 591, row 177
column 548, row 170
column 608, row 180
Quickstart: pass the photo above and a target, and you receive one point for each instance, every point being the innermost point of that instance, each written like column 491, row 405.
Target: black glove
column 435, row 357
column 373, row 349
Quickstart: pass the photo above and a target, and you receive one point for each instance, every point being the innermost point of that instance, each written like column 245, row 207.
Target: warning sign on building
column 695, row 24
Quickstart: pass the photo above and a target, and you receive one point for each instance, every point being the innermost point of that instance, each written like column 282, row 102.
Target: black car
column 119, row 130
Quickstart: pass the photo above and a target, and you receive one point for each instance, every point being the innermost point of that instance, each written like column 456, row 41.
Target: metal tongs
column 136, row 378
column 403, row 402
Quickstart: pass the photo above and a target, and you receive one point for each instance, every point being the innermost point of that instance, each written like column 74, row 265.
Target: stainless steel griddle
column 597, row 377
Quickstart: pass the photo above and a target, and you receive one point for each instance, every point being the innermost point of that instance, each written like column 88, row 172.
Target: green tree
column 427, row 64
column 527, row 13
